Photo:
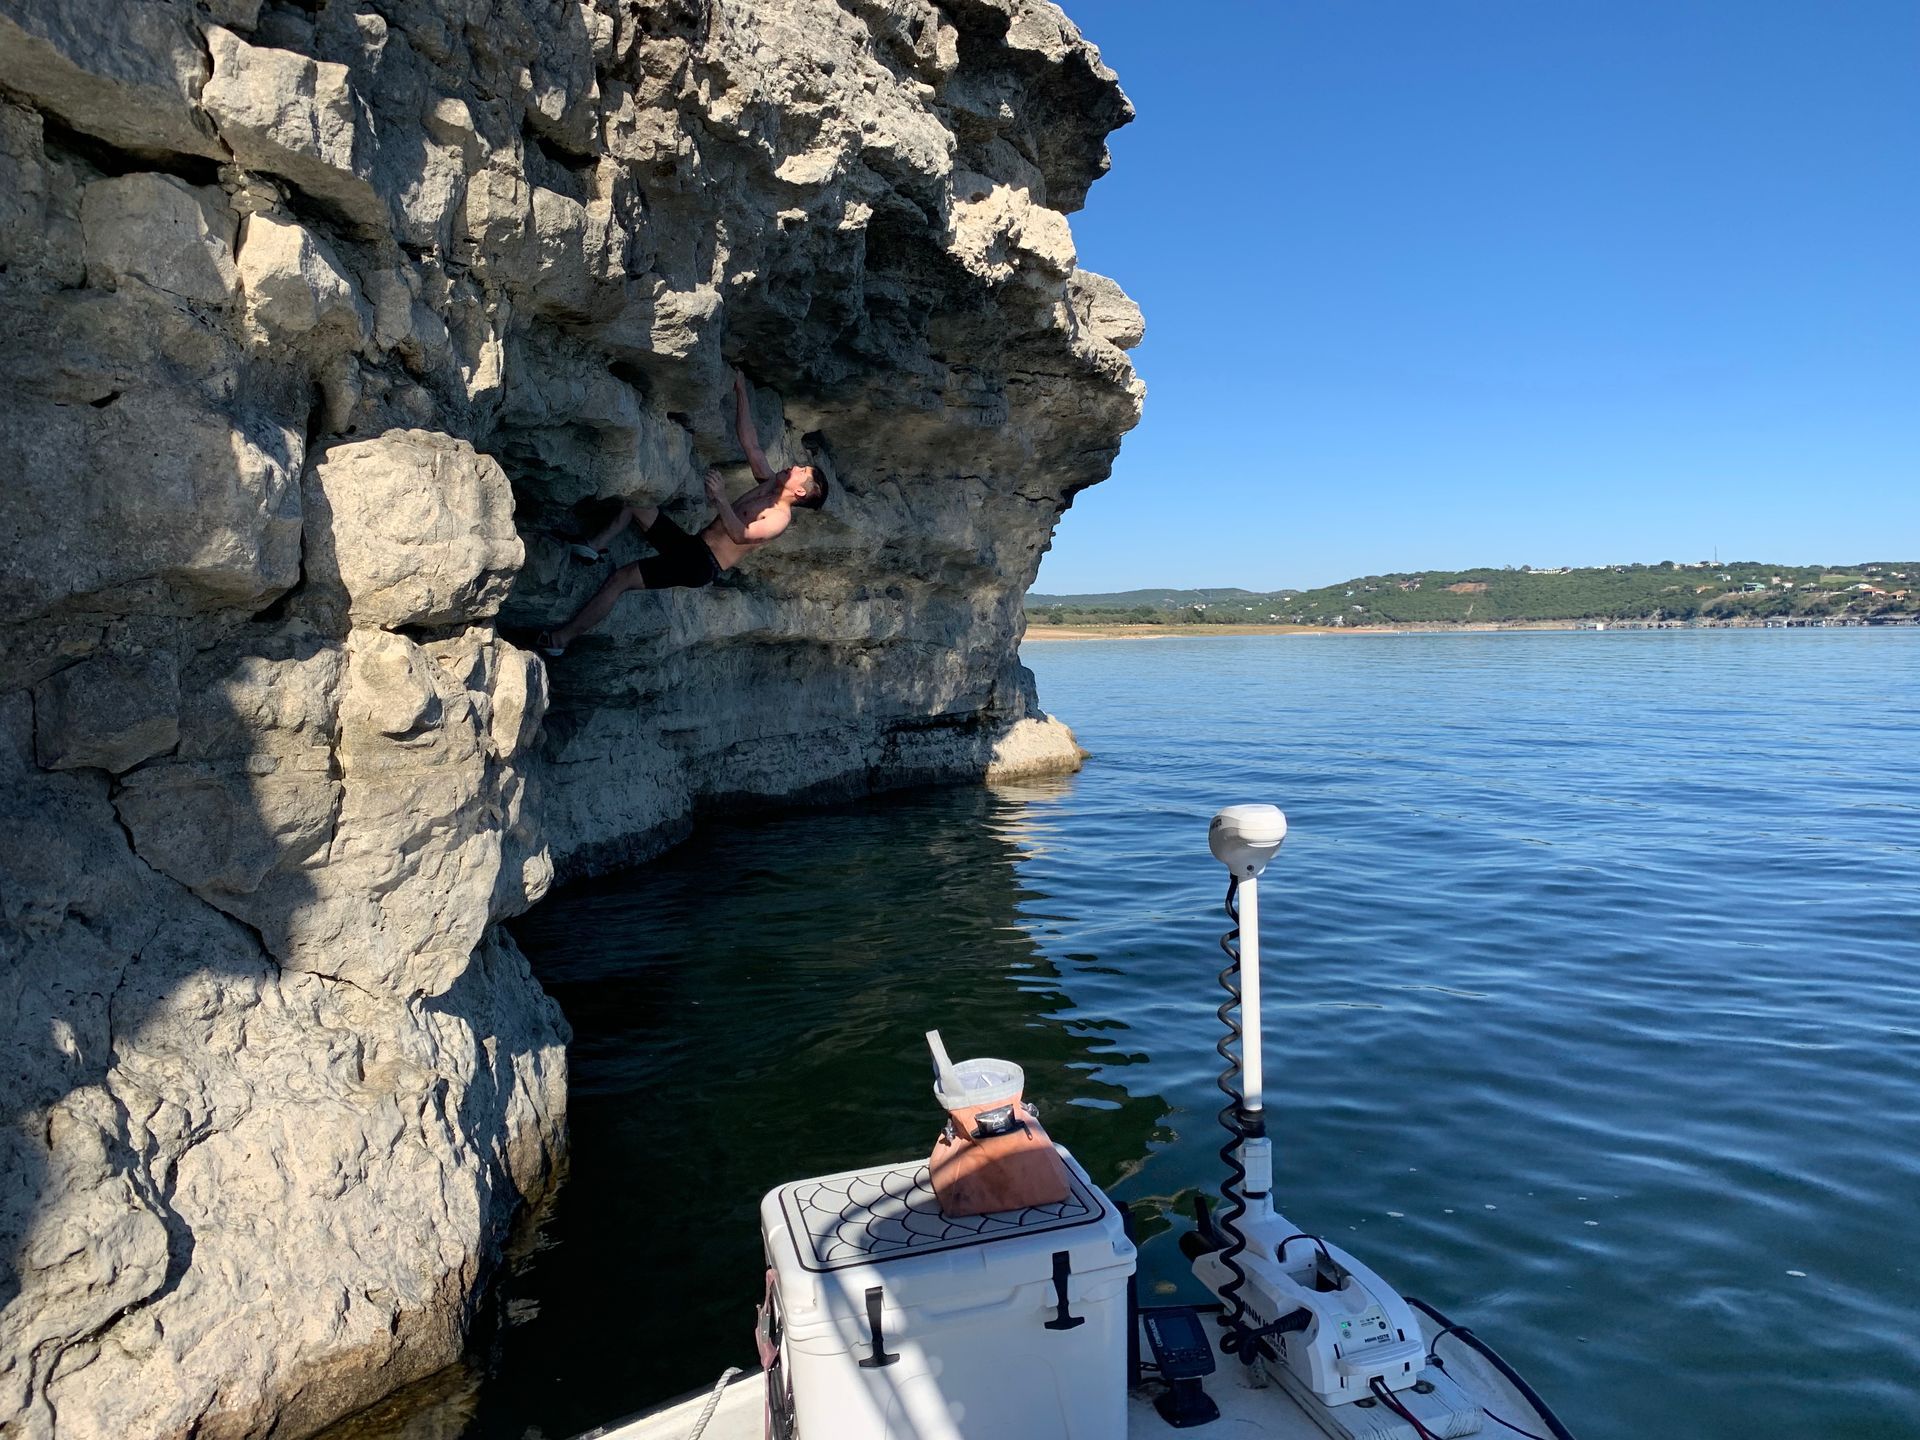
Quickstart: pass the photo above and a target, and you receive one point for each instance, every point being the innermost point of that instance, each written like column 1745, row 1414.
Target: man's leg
column 626, row 578
column 643, row 515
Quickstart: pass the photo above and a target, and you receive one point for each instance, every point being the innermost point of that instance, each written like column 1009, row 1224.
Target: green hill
column 1667, row 591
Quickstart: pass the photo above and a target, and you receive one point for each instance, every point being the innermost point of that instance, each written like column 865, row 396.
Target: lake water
column 1593, row 1014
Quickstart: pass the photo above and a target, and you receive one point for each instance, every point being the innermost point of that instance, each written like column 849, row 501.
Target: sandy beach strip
column 1169, row 632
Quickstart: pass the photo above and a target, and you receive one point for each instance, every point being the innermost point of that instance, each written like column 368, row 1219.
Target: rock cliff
column 321, row 319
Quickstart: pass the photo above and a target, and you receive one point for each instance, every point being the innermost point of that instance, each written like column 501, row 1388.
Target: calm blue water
column 1594, row 1012
column 1596, row 957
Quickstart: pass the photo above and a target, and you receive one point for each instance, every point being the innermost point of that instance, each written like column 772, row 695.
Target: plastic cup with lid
column 982, row 1083
column 973, row 1084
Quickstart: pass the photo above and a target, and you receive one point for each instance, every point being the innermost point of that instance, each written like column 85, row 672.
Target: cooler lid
column 867, row 1217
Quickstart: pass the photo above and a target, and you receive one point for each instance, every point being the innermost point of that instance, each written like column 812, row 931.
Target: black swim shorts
column 680, row 559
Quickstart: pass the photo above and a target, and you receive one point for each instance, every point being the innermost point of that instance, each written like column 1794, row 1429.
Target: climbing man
column 680, row 559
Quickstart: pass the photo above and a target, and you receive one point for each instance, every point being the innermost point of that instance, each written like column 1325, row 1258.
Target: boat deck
column 1246, row 1413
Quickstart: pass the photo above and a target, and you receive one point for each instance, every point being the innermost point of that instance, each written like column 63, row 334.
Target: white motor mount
column 1341, row 1334
column 1360, row 1327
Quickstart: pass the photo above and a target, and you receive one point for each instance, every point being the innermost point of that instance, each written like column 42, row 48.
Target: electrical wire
column 1510, row 1425
column 1238, row 1340
column 1280, row 1250
column 1486, row 1352
column 1386, row 1397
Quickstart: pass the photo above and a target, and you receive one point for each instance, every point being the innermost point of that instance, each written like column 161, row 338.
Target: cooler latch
column 879, row 1357
column 1062, row 1268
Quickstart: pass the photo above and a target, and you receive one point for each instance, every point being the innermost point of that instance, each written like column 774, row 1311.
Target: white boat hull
column 1246, row 1412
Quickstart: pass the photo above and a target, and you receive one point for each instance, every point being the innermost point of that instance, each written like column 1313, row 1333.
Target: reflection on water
column 747, row 1010
column 1593, row 994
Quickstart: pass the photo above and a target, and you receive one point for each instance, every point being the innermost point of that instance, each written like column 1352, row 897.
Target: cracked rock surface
column 322, row 321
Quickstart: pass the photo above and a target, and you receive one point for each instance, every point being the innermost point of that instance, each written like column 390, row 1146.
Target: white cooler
column 991, row 1327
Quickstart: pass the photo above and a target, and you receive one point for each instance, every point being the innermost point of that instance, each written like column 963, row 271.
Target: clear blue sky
column 1436, row 283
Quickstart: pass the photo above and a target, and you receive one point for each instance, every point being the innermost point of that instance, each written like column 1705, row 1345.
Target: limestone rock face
column 282, row 113
column 415, row 527
column 324, row 324
column 108, row 712
column 156, row 229
column 294, row 284
column 126, row 73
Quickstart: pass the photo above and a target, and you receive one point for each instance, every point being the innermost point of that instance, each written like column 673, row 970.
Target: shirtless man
column 680, row 559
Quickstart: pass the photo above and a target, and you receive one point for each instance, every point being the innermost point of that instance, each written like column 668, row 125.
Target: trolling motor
column 1337, row 1336
column 1243, row 838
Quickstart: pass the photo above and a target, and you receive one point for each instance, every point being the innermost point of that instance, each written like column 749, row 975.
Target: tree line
column 1669, row 590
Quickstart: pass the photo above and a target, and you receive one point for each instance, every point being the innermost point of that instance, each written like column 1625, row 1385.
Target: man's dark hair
column 819, row 495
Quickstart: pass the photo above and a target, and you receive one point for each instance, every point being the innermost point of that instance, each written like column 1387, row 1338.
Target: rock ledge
column 324, row 322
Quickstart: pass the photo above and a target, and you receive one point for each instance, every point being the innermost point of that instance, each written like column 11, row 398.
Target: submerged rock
column 323, row 325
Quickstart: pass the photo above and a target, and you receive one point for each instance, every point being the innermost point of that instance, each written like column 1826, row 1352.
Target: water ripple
column 1592, row 1003
column 1593, row 957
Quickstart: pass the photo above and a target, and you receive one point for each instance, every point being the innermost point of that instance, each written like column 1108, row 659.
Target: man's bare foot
column 548, row 646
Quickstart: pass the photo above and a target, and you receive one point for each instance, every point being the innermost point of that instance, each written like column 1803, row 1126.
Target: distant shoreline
column 1174, row 632
column 1573, row 597
column 1166, row 632
column 1208, row 632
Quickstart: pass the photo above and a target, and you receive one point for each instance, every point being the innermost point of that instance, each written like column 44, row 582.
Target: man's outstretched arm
column 743, row 427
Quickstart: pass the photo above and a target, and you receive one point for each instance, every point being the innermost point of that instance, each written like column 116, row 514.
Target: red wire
column 1385, row 1396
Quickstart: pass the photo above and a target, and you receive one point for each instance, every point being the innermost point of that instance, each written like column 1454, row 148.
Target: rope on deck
column 713, row 1402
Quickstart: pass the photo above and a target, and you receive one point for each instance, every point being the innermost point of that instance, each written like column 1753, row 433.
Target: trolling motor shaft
column 1243, row 838
column 1335, row 1328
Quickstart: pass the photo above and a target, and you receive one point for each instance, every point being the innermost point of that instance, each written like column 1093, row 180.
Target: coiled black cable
column 1239, row 1340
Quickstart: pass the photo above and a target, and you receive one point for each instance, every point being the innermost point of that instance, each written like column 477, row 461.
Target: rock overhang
column 322, row 324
